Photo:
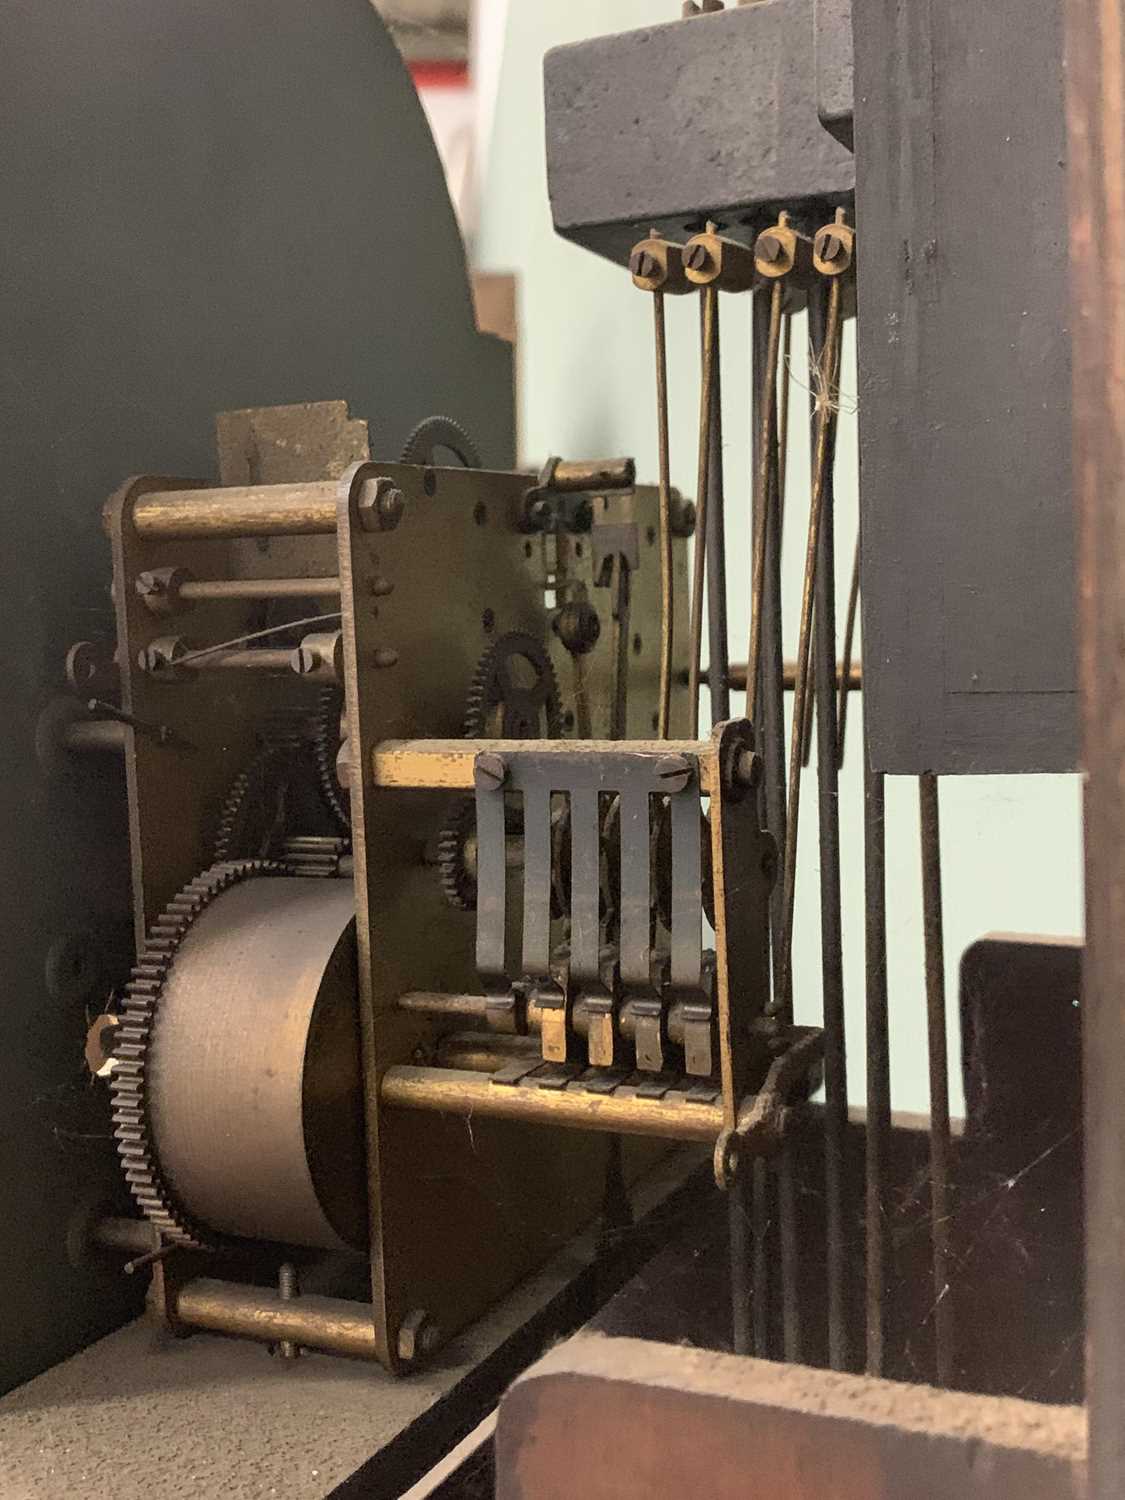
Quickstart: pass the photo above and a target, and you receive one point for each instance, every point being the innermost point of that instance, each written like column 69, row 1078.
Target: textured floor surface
column 140, row 1416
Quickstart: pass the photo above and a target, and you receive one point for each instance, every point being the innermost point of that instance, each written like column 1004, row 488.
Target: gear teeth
column 326, row 740
column 486, row 691
column 432, row 433
column 458, row 886
column 278, row 754
column 128, row 1082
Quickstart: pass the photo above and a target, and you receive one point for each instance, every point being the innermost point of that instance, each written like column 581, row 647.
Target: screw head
column 769, row 247
column 697, row 256
column 381, row 505
column 149, row 584
column 643, row 263
column 489, row 772
column 830, row 246
column 674, row 773
column 304, row 660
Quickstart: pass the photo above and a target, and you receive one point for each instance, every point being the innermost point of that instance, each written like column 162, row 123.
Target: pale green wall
column 1011, row 845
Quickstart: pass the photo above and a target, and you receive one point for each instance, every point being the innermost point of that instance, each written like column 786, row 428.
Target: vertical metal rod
column 825, row 427
column 878, row 1061
column 789, row 1236
column 719, row 664
column 848, row 648
column 667, row 582
column 1095, row 50
column 785, row 375
column 770, row 729
column 831, row 927
column 770, row 725
column 760, row 1209
column 741, row 1244
column 764, row 456
column 709, row 313
column 771, row 684
column 937, row 1044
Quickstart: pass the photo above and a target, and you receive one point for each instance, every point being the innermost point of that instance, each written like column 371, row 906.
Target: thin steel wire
column 256, row 635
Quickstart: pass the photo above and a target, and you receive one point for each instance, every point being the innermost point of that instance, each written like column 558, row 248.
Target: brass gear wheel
column 514, row 695
column 128, row 1081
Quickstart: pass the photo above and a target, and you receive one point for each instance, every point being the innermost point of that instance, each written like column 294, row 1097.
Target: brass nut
column 381, row 504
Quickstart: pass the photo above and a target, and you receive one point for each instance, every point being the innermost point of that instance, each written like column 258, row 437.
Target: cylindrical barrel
column 249, row 510
column 446, row 1091
column 327, row 1323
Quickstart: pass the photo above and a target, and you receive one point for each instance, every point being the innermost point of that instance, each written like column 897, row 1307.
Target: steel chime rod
column 878, row 1130
column 770, row 725
column 764, row 708
column 831, row 927
column 710, row 548
column 939, row 1074
column 719, row 665
column 709, row 312
column 825, row 422
column 765, row 464
column 783, row 410
column 667, row 600
column 846, row 668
